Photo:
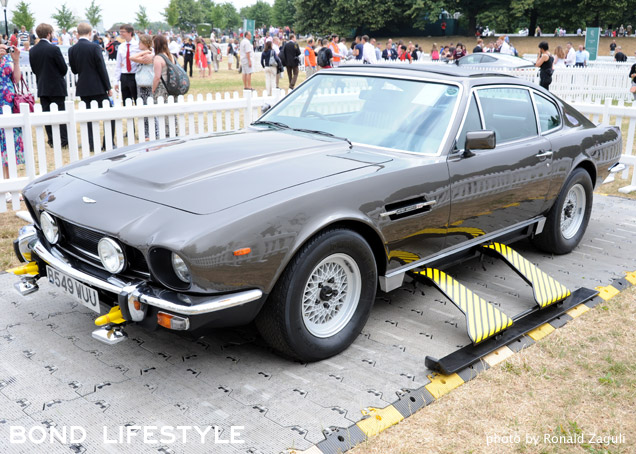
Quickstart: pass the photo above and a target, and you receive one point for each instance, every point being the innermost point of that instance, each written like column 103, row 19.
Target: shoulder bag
column 22, row 96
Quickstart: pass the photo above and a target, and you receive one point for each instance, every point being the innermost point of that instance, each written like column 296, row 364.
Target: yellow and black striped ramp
column 547, row 290
column 483, row 320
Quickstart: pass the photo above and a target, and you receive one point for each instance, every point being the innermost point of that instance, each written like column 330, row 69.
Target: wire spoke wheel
column 573, row 211
column 331, row 295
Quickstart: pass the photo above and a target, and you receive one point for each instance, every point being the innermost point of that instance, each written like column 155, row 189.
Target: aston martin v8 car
column 295, row 221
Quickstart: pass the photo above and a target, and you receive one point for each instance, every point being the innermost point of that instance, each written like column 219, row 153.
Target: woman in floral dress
column 9, row 75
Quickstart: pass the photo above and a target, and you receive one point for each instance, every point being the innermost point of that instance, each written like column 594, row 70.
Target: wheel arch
column 368, row 233
column 590, row 168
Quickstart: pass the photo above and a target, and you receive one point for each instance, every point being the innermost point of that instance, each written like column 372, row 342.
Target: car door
column 494, row 189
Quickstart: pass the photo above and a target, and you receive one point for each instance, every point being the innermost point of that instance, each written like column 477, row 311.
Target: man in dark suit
column 93, row 83
column 50, row 70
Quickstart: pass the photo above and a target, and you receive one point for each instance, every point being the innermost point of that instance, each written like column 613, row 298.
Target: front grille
column 83, row 241
column 80, row 237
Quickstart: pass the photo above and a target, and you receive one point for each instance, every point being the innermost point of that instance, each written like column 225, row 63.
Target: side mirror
column 479, row 140
column 265, row 108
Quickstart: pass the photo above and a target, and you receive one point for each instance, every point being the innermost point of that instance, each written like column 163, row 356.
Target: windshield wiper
column 272, row 123
column 322, row 133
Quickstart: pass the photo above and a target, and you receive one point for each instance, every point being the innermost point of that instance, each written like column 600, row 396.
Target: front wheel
column 323, row 298
column 568, row 218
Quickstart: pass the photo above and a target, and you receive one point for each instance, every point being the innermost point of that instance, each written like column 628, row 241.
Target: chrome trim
column 545, row 154
column 408, row 208
column 535, row 93
column 87, row 253
column 213, row 303
column 120, row 255
column 618, row 167
column 110, row 334
column 53, row 223
column 463, row 122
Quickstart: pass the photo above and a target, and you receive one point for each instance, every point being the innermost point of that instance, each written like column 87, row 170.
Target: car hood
column 207, row 174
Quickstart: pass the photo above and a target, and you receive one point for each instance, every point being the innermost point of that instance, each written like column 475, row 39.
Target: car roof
column 432, row 69
column 508, row 58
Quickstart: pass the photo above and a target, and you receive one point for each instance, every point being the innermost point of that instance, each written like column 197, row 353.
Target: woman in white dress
column 559, row 58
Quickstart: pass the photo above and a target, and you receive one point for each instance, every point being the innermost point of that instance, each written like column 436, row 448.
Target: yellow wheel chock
column 113, row 317
column 30, row 268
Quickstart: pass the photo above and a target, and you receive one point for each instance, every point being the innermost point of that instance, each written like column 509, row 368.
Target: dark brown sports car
column 358, row 176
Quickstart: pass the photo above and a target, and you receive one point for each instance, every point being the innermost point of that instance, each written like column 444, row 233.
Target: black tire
column 553, row 239
column 281, row 321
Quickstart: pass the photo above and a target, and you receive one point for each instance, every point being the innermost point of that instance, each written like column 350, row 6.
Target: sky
column 112, row 10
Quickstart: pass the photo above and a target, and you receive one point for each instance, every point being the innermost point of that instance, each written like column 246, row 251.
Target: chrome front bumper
column 187, row 305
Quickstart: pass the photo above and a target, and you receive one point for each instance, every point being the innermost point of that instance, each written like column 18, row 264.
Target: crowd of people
column 142, row 60
column 140, row 72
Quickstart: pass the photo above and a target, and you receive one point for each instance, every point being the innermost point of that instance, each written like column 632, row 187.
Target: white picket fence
column 185, row 117
column 180, row 117
column 607, row 113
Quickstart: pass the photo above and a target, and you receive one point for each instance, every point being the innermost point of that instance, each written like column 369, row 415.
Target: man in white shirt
column 344, row 51
column 570, row 58
column 126, row 68
column 66, row 38
column 246, row 51
column 174, row 49
column 368, row 51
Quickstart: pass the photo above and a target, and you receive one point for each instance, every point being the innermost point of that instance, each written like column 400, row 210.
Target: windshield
column 393, row 113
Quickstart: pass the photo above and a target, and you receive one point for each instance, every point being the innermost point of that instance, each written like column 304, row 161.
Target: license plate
column 81, row 293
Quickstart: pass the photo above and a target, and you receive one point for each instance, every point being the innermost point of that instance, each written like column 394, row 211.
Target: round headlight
column 49, row 227
column 111, row 255
column 180, row 268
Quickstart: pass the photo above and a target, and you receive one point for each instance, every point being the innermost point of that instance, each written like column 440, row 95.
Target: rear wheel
column 567, row 220
column 323, row 298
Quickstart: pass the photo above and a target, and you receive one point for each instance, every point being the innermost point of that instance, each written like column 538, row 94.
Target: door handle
column 545, row 154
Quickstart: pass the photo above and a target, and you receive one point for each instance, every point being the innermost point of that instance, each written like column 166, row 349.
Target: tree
column 94, row 14
column 142, row 20
column 221, row 16
column 230, row 14
column 184, row 14
column 22, row 15
column 260, row 12
column 346, row 17
column 283, row 12
column 65, row 17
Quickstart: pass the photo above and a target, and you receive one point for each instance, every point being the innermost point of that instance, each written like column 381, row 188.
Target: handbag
column 145, row 75
column 22, row 96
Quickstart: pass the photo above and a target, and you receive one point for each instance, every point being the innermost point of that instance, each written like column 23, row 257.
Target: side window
column 471, row 59
column 472, row 123
column 488, row 59
column 549, row 117
column 509, row 112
